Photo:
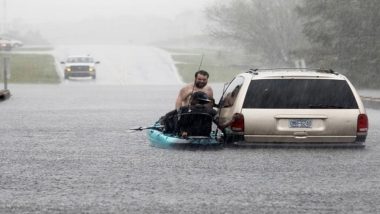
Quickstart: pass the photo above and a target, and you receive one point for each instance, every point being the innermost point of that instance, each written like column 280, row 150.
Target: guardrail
column 371, row 102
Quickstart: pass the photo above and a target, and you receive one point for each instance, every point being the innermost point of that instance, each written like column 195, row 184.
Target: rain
column 66, row 144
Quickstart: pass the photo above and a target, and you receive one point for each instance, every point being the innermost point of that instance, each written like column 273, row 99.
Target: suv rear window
column 299, row 94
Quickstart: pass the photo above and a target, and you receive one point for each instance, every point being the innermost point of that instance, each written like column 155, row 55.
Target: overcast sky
column 51, row 10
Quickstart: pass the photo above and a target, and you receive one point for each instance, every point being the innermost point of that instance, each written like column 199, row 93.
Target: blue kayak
column 163, row 140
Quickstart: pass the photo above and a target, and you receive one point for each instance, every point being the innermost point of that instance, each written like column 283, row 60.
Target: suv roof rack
column 329, row 71
column 252, row 71
column 255, row 71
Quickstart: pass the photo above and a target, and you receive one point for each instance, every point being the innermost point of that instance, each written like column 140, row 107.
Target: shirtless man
column 199, row 84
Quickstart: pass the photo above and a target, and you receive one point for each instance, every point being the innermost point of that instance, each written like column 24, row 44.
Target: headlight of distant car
column 91, row 69
column 67, row 69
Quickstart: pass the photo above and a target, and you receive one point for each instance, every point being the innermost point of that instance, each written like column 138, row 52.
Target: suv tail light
column 238, row 124
column 362, row 123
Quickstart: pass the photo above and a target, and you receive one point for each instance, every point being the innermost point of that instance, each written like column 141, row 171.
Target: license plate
column 300, row 123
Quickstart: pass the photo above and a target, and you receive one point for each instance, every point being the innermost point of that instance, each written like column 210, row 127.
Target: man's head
column 199, row 97
column 201, row 78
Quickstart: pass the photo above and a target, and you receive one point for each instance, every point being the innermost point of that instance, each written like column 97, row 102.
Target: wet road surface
column 125, row 64
column 66, row 149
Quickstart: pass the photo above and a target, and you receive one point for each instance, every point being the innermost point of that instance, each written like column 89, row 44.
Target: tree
column 267, row 28
column 344, row 34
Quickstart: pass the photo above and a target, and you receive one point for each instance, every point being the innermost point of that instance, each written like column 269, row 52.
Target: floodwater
column 67, row 149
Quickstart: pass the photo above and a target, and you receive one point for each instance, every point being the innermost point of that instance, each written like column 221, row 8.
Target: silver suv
column 293, row 107
column 80, row 66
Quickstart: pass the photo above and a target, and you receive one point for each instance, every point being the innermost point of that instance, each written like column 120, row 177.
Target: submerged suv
column 80, row 66
column 293, row 106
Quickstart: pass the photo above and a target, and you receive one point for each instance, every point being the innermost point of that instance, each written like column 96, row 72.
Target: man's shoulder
column 187, row 87
column 208, row 88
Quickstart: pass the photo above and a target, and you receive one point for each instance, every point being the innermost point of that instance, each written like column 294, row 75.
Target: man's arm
column 180, row 98
column 226, row 123
column 178, row 103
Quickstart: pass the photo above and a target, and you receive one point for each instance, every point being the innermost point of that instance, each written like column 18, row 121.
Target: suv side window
column 299, row 94
column 229, row 96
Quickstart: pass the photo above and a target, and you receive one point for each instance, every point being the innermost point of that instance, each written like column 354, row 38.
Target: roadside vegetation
column 221, row 65
column 36, row 48
column 341, row 35
column 31, row 68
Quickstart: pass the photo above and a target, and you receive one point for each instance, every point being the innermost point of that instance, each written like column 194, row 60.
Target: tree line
column 340, row 34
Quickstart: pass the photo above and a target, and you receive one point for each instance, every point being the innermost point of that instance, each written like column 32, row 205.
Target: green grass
column 222, row 66
column 31, row 68
column 36, row 48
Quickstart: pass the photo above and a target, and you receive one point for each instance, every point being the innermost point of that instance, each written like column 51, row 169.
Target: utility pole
column 5, row 63
column 5, row 93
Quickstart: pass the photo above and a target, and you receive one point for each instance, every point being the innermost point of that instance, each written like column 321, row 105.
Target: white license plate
column 300, row 123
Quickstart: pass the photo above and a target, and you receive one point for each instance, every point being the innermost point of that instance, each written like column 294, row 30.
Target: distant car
column 80, row 66
column 16, row 43
column 293, row 106
column 8, row 44
column 5, row 44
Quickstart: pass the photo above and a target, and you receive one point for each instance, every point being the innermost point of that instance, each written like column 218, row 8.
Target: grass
column 31, row 68
column 36, row 48
column 222, row 66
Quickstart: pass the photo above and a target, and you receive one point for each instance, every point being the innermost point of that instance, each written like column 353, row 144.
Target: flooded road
column 66, row 149
column 125, row 64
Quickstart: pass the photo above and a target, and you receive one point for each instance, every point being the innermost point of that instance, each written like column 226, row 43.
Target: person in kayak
column 199, row 84
column 195, row 118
